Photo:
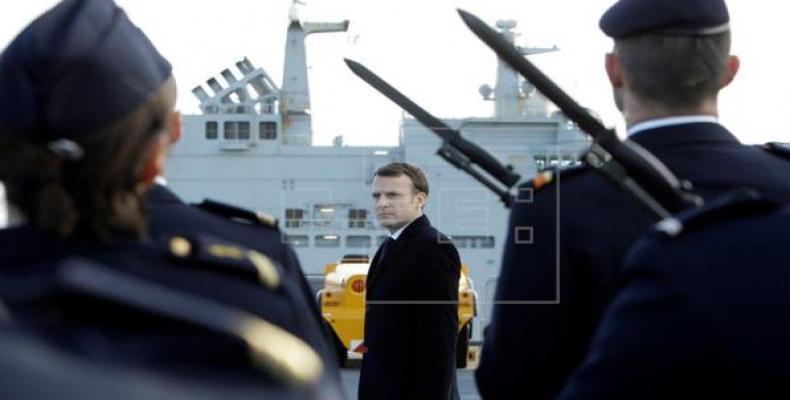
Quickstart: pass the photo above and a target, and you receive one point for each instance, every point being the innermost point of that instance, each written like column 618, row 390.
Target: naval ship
column 251, row 145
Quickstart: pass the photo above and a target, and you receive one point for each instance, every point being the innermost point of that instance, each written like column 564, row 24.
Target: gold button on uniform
column 180, row 247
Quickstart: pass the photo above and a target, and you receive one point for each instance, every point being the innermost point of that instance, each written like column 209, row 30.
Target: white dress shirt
column 669, row 121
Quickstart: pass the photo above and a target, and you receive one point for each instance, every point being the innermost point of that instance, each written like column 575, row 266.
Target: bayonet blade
column 475, row 154
column 646, row 175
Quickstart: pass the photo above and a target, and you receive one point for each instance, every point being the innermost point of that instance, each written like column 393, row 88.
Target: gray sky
column 423, row 48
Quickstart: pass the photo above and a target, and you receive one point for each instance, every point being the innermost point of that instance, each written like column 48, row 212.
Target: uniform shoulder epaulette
column 547, row 176
column 274, row 350
column 780, row 149
column 237, row 213
column 222, row 256
column 740, row 203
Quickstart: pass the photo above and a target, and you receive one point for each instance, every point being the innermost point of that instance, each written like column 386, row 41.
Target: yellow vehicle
column 342, row 302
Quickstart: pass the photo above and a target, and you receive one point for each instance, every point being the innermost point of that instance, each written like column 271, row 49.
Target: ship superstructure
column 252, row 146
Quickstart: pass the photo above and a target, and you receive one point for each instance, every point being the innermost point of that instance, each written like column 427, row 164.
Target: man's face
column 396, row 202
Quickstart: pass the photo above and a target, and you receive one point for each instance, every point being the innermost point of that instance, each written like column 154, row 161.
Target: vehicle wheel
column 462, row 348
column 340, row 351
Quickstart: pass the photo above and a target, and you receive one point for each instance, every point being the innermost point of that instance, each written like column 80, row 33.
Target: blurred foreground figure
column 566, row 241
column 86, row 117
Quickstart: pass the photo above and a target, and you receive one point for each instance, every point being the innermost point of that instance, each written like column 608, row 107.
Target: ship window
column 297, row 240
column 486, row 242
column 243, row 130
column 556, row 160
column 293, row 217
column 230, row 130
column 327, row 241
column 357, row 217
column 237, row 130
column 268, row 130
column 211, row 129
column 473, row 242
column 358, row 241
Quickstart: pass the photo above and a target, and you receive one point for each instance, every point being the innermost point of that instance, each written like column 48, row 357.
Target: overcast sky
column 423, row 48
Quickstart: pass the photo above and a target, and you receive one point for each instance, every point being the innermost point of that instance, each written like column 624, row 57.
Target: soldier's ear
column 157, row 151
column 733, row 65
column 613, row 70
column 155, row 157
column 174, row 127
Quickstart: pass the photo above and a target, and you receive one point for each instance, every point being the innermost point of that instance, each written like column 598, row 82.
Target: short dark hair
column 418, row 180
column 98, row 193
column 672, row 70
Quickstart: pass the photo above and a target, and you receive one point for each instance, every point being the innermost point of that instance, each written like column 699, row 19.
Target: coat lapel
column 379, row 264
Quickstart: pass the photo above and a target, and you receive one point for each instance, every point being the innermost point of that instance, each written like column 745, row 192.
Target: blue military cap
column 75, row 69
column 672, row 17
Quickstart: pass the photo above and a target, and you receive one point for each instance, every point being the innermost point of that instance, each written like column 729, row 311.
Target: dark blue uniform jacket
column 702, row 315
column 168, row 214
column 572, row 235
column 35, row 369
column 109, row 328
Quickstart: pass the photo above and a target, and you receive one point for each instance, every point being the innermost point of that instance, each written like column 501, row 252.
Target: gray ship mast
column 295, row 92
column 513, row 96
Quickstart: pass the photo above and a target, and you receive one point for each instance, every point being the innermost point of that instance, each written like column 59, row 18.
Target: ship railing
column 330, row 224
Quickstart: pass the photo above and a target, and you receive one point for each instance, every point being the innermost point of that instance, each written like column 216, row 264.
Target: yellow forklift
column 342, row 303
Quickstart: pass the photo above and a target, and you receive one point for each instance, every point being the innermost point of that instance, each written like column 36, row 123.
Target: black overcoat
column 411, row 319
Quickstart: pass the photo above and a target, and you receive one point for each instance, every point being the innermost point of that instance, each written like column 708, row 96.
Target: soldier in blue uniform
column 109, row 342
column 168, row 215
column 85, row 107
column 702, row 313
column 566, row 239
